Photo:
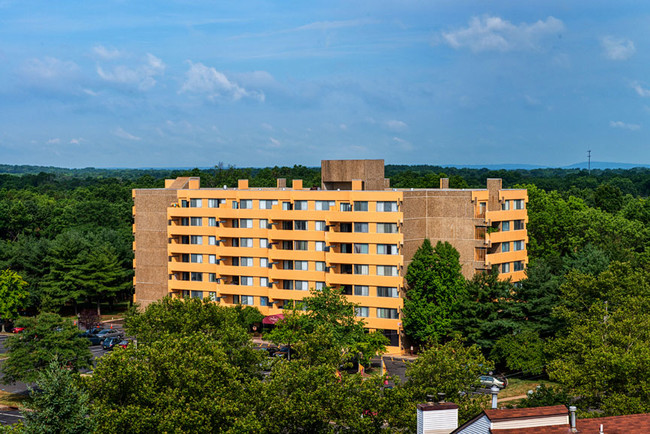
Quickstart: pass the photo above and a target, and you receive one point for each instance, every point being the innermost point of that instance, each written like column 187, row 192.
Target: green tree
column 435, row 285
column 12, row 295
column 452, row 369
column 326, row 330
column 60, row 403
column 103, row 275
column 46, row 337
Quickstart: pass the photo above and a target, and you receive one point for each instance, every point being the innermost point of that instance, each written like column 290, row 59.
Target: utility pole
column 589, row 161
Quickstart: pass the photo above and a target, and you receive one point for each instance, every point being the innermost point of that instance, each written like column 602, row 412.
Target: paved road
column 9, row 417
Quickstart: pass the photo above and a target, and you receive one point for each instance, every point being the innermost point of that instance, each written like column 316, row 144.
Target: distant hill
column 606, row 165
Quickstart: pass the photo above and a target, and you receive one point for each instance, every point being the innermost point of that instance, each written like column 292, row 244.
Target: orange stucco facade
column 266, row 247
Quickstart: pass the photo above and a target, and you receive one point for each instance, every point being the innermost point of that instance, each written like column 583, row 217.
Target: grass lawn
column 518, row 387
column 13, row 399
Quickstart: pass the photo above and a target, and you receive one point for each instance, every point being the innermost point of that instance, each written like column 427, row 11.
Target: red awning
column 272, row 319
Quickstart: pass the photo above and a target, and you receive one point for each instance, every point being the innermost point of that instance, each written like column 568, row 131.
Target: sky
column 125, row 83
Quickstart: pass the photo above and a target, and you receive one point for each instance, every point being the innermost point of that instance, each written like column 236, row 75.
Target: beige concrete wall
column 440, row 215
column 151, row 256
column 337, row 174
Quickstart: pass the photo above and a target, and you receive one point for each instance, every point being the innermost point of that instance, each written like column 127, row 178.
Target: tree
column 326, row 330
column 104, row 277
column 452, row 369
column 12, row 295
column 435, row 285
column 46, row 337
column 60, row 403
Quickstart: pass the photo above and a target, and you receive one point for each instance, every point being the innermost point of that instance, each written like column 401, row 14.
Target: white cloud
column 54, row 141
column 49, row 68
column 214, row 84
column 274, row 143
column 640, row 90
column 396, row 125
column 343, row 127
column 119, row 132
column 403, row 144
column 617, row 48
column 142, row 76
column 623, row 125
column 107, row 53
column 496, row 34
column 76, row 141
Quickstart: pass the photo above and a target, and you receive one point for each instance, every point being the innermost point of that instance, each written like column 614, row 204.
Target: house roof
column 516, row 413
column 631, row 423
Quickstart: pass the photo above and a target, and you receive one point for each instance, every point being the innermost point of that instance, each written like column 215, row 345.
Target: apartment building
column 266, row 247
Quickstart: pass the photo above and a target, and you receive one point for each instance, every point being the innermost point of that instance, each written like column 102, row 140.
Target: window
column 361, row 206
column 386, row 228
column 287, row 265
column 264, row 301
column 520, row 245
column 505, row 206
column 212, row 240
column 214, row 203
column 320, row 246
column 264, row 262
column 196, row 239
column 361, row 227
column 247, row 300
column 387, row 291
column 212, row 259
column 246, row 223
column 287, row 245
column 319, row 285
column 320, row 225
column 185, row 257
column 360, row 269
column 184, row 204
column 505, row 268
column 287, row 225
column 346, row 289
column 196, row 258
column 345, row 248
column 361, row 311
column 267, row 204
column 235, row 204
column 196, row 277
column 345, row 207
column 345, row 268
column 302, row 285
column 320, row 266
column 518, row 265
column 324, row 205
column 301, row 245
column 287, row 284
column 246, row 242
column 264, row 281
column 185, row 293
column 301, row 265
column 264, row 243
column 505, row 247
column 184, row 221
column 197, row 294
column 212, row 221
column 234, row 261
column 287, row 206
column 246, row 204
column 383, row 312
column 386, row 270
column 196, row 221
column 235, row 299
column 386, row 206
column 212, row 277
column 264, row 223
column 361, row 290
column 386, row 249
column 185, row 276
column 212, row 296
column 345, row 227
column 196, row 203
column 505, row 226
column 361, row 248
column 300, row 205
column 246, row 281
column 519, row 204
column 246, row 262
column 519, row 225
column 301, row 225
column 234, row 223
column 234, row 242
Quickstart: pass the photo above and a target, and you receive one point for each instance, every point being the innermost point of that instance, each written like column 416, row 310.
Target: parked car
column 108, row 333
column 92, row 338
column 17, row 329
column 489, row 381
column 110, row 342
column 123, row 343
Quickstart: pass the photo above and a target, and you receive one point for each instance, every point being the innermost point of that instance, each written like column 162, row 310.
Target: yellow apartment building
column 266, row 247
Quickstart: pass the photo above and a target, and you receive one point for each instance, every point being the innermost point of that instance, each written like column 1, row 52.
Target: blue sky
column 258, row 83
